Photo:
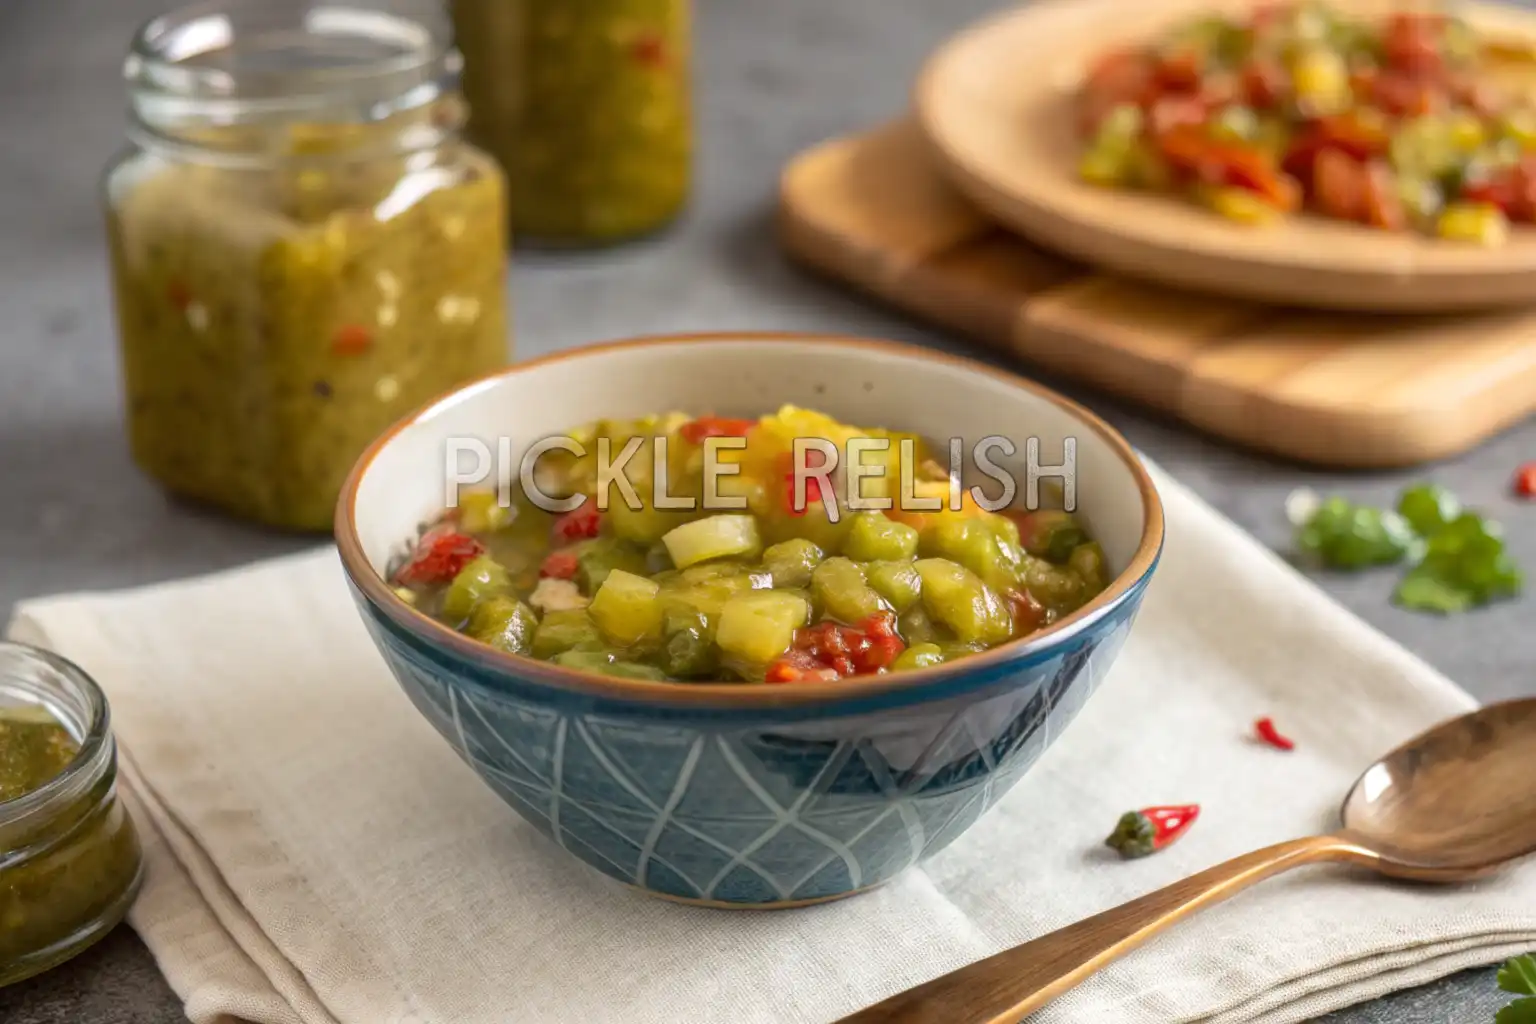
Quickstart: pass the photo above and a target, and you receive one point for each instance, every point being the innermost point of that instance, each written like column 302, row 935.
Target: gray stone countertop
column 774, row 78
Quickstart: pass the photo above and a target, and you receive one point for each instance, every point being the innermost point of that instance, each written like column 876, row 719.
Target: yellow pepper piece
column 1242, row 206
column 1479, row 223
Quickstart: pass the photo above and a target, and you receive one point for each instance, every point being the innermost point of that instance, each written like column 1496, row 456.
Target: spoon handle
column 1008, row 985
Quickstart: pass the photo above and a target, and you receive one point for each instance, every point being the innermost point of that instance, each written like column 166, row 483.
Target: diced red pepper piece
column 581, row 523
column 1351, row 135
column 1413, row 43
column 1120, row 76
column 440, row 554
column 1383, row 203
column 1144, row 832
column 1402, row 95
column 1190, row 151
column 877, row 644
column 560, row 565
column 1263, row 83
column 1339, row 185
column 1028, row 612
column 1267, row 731
column 695, row 431
column 351, row 340
column 1267, row 14
column 1176, row 111
column 797, row 667
column 812, row 493
column 1525, row 480
column 1180, row 72
column 1503, row 189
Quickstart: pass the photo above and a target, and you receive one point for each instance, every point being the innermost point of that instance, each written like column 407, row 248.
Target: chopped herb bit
column 1519, row 976
column 1144, row 832
column 1457, row 559
column 1428, row 508
column 1343, row 535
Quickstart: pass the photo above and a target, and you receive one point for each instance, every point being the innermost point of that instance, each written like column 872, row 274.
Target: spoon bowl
column 1454, row 803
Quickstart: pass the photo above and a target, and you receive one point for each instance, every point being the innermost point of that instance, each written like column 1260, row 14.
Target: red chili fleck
column 649, row 49
column 351, row 340
column 695, row 431
column 1265, row 727
column 1143, row 832
column 1525, row 480
column 439, row 555
column 560, row 565
column 178, row 294
column 864, row 649
column 581, row 523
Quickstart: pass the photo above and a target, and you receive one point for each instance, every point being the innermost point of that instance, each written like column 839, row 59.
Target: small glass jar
column 303, row 248
column 70, row 862
column 588, row 107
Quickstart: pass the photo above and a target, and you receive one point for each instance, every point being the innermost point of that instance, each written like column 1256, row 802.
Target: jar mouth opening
column 31, row 676
column 237, row 62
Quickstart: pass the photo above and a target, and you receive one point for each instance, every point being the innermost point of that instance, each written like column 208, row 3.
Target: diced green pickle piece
column 760, row 625
column 897, row 582
column 1088, row 562
column 875, row 537
column 792, row 561
column 645, row 525
column 722, row 536
column 957, row 597
column 482, row 578
column 482, row 512
column 919, row 656
column 596, row 558
column 627, row 608
column 505, row 623
column 607, row 664
column 690, row 654
column 976, row 543
column 1052, row 534
column 564, row 631
column 843, row 593
column 1059, row 588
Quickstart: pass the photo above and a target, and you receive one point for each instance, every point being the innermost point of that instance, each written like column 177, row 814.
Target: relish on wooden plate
column 1399, row 124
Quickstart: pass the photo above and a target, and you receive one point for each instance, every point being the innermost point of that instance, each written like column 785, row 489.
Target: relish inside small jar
column 70, row 860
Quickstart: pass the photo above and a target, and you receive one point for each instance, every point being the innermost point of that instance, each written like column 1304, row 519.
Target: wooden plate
column 995, row 103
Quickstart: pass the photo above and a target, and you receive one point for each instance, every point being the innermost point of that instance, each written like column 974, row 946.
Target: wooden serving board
column 1345, row 390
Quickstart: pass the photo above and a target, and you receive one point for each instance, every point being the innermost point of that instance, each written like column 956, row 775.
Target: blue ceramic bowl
column 733, row 795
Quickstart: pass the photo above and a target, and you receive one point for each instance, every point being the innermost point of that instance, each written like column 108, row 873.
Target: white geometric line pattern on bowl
column 761, row 815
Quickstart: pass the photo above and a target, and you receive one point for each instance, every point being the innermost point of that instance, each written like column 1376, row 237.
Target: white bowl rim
column 377, row 591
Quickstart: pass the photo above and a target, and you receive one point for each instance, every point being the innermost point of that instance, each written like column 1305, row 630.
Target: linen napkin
column 318, row 855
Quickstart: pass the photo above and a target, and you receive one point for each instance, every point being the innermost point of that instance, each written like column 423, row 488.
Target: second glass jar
column 588, row 108
column 303, row 248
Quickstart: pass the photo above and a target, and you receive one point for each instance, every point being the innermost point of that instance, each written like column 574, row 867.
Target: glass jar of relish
column 70, row 861
column 303, row 247
column 587, row 106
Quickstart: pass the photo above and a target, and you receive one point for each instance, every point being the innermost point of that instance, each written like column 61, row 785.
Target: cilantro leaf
column 1519, row 976
column 1521, row 1011
column 1423, row 590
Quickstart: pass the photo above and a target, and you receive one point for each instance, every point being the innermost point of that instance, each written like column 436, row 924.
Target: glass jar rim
column 222, row 63
column 68, row 693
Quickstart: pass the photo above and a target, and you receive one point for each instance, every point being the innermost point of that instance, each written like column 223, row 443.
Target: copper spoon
column 1455, row 803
